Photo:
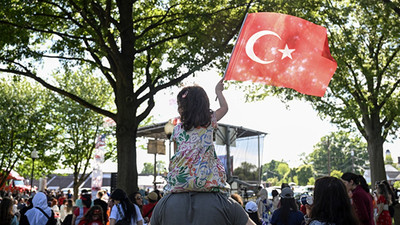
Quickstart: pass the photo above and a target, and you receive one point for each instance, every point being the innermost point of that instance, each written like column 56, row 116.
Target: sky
column 290, row 131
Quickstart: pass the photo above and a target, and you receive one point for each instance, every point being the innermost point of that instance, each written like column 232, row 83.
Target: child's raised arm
column 223, row 105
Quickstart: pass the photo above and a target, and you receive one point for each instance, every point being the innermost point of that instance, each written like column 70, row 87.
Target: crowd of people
column 348, row 200
column 51, row 208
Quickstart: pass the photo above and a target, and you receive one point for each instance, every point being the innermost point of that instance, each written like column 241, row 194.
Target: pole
column 259, row 159
column 155, row 171
column 228, row 154
column 33, row 168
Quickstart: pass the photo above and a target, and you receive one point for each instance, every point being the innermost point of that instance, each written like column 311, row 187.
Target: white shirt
column 116, row 215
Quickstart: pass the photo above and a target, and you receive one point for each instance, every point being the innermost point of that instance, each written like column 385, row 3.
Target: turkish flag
column 284, row 51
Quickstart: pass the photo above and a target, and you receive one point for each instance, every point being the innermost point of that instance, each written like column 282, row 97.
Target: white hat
column 251, row 207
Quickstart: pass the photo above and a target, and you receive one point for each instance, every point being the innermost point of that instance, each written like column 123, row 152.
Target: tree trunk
column 126, row 139
column 375, row 151
column 127, row 171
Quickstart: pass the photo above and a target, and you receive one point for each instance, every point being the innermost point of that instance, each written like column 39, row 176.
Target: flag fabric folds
column 284, row 51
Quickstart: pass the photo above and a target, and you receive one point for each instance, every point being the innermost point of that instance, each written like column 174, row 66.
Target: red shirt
column 146, row 209
column 76, row 212
column 362, row 203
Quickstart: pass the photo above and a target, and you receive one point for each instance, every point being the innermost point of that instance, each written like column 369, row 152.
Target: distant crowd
column 348, row 200
column 345, row 201
column 57, row 208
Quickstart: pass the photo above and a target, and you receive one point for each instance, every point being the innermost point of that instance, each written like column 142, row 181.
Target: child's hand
column 220, row 86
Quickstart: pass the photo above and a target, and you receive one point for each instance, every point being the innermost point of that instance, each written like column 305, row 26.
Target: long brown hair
column 194, row 107
column 6, row 211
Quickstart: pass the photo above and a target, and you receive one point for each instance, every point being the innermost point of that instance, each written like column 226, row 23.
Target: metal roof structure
column 156, row 131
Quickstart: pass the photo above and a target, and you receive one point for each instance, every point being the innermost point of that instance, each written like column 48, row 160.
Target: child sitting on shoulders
column 195, row 165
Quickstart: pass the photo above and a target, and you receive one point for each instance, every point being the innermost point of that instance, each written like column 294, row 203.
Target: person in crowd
column 68, row 219
column 94, row 216
column 55, row 208
column 331, row 204
column 7, row 217
column 237, row 198
column 252, row 210
column 383, row 215
column 66, row 209
column 61, row 198
column 197, row 178
column 392, row 197
column 81, row 210
column 287, row 213
column 40, row 213
column 264, row 206
column 21, row 204
column 275, row 200
column 15, row 207
column 69, row 194
column 137, row 199
column 361, row 200
column 103, row 204
column 28, row 206
column 124, row 209
column 147, row 210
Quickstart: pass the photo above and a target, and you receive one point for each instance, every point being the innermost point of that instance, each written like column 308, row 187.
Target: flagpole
column 240, row 31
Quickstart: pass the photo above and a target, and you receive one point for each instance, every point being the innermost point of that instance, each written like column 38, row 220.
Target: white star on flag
column 286, row 52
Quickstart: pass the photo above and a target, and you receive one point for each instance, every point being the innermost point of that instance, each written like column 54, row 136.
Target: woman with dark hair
column 287, row 213
column 137, row 199
column 6, row 215
column 331, row 203
column 94, row 216
column 124, row 209
column 391, row 196
column 361, row 200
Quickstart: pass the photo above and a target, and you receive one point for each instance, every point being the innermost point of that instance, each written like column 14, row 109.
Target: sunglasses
column 138, row 198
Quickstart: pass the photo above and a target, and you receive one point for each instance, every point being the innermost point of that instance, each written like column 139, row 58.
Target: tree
column 80, row 126
column 246, row 171
column 336, row 173
column 148, row 168
column 363, row 95
column 270, row 170
column 395, row 6
column 338, row 151
column 304, row 173
column 138, row 47
column 24, row 127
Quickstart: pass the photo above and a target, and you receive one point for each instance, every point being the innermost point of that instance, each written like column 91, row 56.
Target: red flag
column 282, row 50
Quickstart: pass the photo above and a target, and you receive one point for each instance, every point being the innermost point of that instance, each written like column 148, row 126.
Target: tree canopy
column 364, row 38
column 137, row 47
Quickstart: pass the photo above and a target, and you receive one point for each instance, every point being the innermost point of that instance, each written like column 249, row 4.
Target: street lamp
column 34, row 155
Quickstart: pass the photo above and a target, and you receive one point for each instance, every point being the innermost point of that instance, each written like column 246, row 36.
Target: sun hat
column 152, row 196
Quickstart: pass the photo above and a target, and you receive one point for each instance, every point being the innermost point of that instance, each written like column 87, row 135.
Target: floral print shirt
column 195, row 165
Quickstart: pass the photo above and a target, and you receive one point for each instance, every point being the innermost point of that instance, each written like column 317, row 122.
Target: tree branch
column 83, row 102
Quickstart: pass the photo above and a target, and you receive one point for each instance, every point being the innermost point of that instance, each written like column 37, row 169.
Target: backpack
column 50, row 219
column 67, row 220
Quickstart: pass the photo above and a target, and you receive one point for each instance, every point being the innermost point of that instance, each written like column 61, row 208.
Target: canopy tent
column 224, row 135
